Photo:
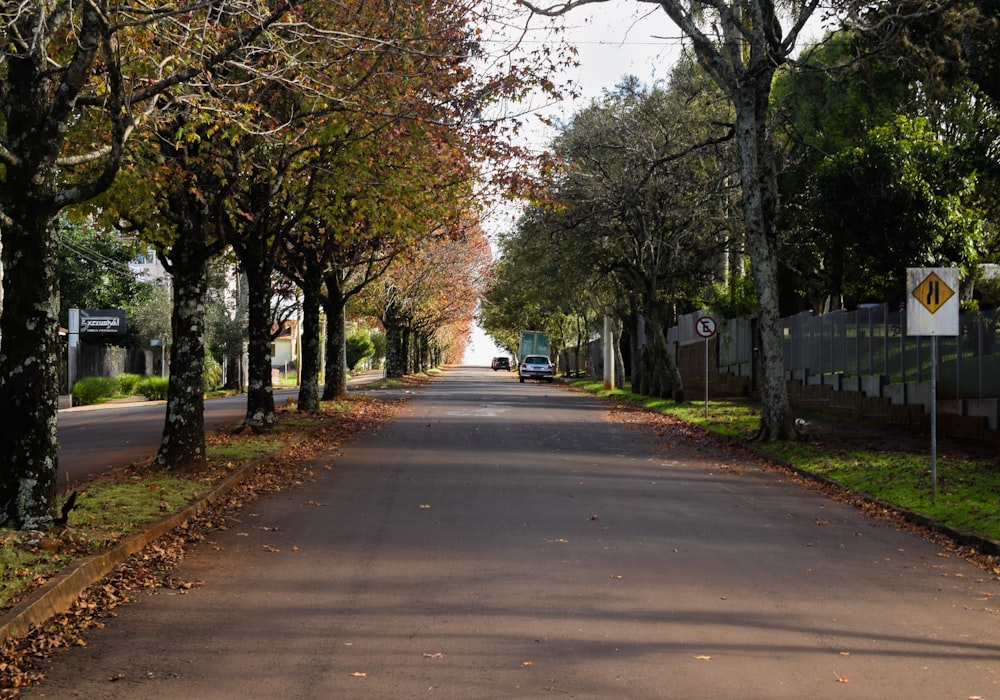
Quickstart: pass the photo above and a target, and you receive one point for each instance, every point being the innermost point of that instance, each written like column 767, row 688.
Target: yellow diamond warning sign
column 932, row 293
column 931, row 301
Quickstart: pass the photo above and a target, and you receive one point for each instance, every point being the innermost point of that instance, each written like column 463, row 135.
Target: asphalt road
column 506, row 540
column 95, row 439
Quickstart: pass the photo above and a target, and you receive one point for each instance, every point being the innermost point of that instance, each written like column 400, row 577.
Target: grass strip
column 968, row 489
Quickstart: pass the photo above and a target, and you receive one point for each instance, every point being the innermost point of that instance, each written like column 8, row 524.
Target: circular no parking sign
column 705, row 327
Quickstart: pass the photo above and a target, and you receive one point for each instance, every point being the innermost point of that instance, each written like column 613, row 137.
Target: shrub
column 92, row 389
column 153, row 388
column 127, row 383
column 359, row 345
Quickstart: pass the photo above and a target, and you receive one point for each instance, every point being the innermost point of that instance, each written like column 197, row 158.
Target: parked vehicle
column 536, row 367
column 501, row 363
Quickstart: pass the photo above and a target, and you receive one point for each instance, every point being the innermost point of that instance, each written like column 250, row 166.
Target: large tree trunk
column 336, row 337
column 658, row 371
column 309, row 362
column 260, row 416
column 39, row 101
column 759, row 204
column 29, row 368
column 183, row 444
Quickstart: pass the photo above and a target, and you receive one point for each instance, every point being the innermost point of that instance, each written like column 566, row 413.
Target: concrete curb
column 60, row 593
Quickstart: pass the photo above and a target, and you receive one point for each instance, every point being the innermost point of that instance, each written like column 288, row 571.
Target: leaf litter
column 22, row 659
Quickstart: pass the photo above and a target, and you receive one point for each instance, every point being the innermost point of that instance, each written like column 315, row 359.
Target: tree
column 741, row 45
column 359, row 346
column 882, row 171
column 426, row 299
column 74, row 78
column 644, row 200
column 949, row 42
column 896, row 200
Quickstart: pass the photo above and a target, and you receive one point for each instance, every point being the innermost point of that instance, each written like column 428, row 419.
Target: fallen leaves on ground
column 22, row 659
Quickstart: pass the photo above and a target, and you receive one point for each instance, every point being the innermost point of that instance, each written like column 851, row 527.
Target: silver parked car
column 536, row 367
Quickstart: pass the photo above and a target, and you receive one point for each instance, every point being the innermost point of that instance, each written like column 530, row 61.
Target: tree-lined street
column 511, row 540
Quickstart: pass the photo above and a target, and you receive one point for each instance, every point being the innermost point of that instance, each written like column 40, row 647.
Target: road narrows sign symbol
column 932, row 293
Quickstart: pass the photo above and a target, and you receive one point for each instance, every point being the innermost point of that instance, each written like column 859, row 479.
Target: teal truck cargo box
column 533, row 343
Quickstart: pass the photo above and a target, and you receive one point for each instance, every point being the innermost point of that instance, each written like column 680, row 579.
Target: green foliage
column 636, row 221
column 153, row 388
column 127, row 383
column 359, row 346
column 899, row 199
column 881, row 172
column 94, row 273
column 90, row 390
column 378, row 341
column 987, row 293
column 151, row 317
column 212, row 372
column 736, row 298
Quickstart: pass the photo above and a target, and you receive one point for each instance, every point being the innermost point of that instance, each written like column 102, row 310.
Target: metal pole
column 934, row 348
column 706, row 377
column 608, row 355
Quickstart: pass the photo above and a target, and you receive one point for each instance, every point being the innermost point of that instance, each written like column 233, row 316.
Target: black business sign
column 102, row 322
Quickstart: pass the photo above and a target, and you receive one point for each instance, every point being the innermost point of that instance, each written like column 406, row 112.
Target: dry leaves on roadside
column 20, row 658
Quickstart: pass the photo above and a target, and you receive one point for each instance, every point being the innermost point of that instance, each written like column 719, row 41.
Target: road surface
column 506, row 540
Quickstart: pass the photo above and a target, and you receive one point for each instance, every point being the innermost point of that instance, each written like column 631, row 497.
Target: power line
column 99, row 259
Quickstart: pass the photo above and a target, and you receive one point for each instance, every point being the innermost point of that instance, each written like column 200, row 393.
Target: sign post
column 706, row 327
column 932, row 310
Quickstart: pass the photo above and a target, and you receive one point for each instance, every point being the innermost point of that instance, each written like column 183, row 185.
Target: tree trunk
column 183, row 444
column 667, row 375
column 636, row 344
column 406, row 350
column 311, row 341
column 336, row 337
column 260, row 416
column 759, row 203
column 38, row 113
column 29, row 368
column 395, row 343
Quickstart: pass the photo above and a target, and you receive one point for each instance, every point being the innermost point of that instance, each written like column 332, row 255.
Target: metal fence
column 872, row 342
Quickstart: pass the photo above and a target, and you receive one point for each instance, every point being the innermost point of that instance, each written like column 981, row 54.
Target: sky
column 613, row 39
